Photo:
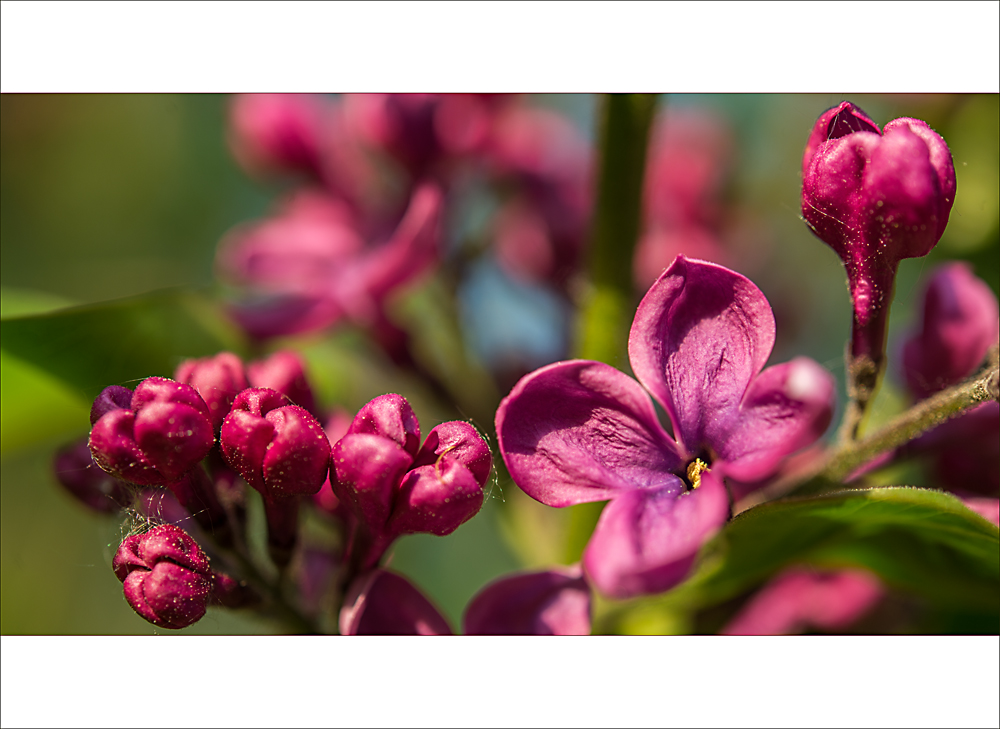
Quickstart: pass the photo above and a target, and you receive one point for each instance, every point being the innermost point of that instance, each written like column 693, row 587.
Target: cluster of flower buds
column 553, row 602
column 392, row 485
column 875, row 197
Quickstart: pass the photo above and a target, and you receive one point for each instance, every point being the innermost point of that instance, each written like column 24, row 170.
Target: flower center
column 694, row 471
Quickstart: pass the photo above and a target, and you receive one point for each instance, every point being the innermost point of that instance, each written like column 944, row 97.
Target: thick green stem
column 607, row 307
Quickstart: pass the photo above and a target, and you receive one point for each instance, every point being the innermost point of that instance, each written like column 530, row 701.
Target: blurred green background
column 110, row 196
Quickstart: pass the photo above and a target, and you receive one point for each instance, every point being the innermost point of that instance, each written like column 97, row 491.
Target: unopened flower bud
column 164, row 431
column 875, row 198
column 217, row 379
column 279, row 448
column 285, row 372
column 76, row 471
column 554, row 602
column 167, row 577
column 960, row 322
column 384, row 603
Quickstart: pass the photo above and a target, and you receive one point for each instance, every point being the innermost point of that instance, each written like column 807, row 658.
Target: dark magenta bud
column 217, row 379
column 113, row 397
column 285, row 372
column 231, row 593
column 875, row 198
column 277, row 132
column 76, row 471
column 384, row 603
column 163, row 433
column 393, row 487
column 167, row 577
column 554, row 602
column 278, row 448
column 960, row 322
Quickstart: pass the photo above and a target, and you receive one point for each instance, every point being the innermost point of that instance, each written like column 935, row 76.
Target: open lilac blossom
column 800, row 599
column 77, row 472
column 384, row 603
column 151, row 436
column 218, row 379
column 393, row 485
column 581, row 431
column 311, row 266
column 167, row 577
column 553, row 602
column 285, row 372
column 960, row 322
column 875, row 197
column 281, row 450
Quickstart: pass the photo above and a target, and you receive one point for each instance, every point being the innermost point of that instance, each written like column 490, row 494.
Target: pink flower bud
column 217, row 379
column 285, row 372
column 960, row 322
column 163, row 433
column 279, row 448
column 76, row 471
column 554, row 602
column 875, row 198
column 167, row 577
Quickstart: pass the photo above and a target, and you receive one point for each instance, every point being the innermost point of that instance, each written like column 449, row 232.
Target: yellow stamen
column 695, row 469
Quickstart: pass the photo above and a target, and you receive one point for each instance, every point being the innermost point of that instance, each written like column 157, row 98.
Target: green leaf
column 119, row 342
column 920, row 541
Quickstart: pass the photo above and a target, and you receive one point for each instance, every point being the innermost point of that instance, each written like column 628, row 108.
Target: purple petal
column 646, row 540
column 389, row 416
column 581, row 431
column 800, row 598
column 127, row 559
column 786, row 408
column 384, row 603
column 173, row 544
column 555, row 602
column 461, row 441
column 436, row 499
column 177, row 596
column 163, row 390
column 367, row 469
column 700, row 335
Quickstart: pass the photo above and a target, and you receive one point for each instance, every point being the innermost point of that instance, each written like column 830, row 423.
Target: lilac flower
column 875, row 197
column 151, row 436
column 553, row 602
column 167, row 577
column 277, row 132
column 581, row 431
column 77, row 472
column 800, row 598
column 384, row 603
column 281, row 450
column 960, row 322
column 310, row 267
column 394, row 486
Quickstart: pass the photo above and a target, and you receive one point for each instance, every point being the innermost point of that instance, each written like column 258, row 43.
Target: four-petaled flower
column 581, row 431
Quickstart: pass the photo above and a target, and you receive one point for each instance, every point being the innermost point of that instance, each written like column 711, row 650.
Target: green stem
column 845, row 458
column 607, row 307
